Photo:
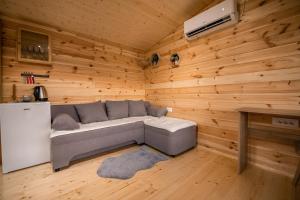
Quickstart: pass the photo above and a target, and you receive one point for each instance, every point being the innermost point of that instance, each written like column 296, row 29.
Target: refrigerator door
column 25, row 130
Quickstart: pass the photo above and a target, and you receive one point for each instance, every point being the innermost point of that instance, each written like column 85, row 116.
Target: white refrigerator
column 25, row 131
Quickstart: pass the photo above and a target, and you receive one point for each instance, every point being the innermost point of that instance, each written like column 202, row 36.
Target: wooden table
column 243, row 136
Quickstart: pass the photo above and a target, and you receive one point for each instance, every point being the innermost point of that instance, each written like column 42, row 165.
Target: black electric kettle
column 40, row 93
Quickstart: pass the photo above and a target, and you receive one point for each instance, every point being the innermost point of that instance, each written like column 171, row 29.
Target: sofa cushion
column 101, row 125
column 91, row 112
column 170, row 124
column 137, row 108
column 67, row 109
column 64, row 122
column 117, row 109
column 156, row 111
column 147, row 106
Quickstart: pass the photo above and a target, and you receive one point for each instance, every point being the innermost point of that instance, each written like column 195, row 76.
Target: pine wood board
column 202, row 175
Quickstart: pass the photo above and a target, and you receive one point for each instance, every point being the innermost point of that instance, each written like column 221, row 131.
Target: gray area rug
column 126, row 165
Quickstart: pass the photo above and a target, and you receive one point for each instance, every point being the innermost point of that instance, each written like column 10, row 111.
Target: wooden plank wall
column 255, row 63
column 82, row 71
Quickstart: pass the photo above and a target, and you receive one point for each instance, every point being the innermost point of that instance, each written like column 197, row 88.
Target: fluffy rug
column 126, row 165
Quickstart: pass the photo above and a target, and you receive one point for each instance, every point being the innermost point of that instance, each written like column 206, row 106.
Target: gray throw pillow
column 63, row 122
column 137, row 108
column 91, row 112
column 156, row 111
column 117, row 109
column 147, row 105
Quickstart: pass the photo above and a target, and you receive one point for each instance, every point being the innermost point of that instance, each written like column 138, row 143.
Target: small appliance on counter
column 40, row 93
column 26, row 98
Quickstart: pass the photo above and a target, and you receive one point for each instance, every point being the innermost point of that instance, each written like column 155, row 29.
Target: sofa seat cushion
column 168, row 123
column 99, row 125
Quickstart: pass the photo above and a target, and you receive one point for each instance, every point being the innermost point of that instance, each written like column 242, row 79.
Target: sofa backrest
column 71, row 110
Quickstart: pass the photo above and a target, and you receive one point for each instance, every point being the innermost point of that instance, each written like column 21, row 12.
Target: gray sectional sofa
column 86, row 129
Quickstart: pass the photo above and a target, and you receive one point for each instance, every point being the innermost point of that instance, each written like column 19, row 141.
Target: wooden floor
column 197, row 174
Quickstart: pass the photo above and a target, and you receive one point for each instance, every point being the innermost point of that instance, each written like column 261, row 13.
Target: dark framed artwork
column 34, row 46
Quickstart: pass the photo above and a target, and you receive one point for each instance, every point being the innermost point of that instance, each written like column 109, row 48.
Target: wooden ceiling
column 138, row 24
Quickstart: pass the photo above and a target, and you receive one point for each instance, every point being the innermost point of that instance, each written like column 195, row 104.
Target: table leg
column 243, row 142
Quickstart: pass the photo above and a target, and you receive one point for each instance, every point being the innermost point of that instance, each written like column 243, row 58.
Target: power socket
column 169, row 109
column 293, row 123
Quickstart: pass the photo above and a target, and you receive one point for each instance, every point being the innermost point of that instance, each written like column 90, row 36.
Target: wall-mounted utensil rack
column 35, row 75
column 29, row 77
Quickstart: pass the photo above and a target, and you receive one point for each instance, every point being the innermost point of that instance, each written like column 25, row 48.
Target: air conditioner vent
column 210, row 25
column 215, row 18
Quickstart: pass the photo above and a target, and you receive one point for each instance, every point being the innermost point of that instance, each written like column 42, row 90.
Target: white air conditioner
column 220, row 16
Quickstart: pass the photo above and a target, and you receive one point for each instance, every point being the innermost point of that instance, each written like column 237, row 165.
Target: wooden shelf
column 270, row 111
column 263, row 130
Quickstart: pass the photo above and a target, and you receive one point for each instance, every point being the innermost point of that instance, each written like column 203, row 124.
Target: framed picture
column 34, row 46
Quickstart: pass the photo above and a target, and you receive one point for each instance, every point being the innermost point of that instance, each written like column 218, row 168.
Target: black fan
column 175, row 59
column 154, row 59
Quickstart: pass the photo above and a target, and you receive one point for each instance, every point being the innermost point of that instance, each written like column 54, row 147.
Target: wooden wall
column 255, row 63
column 83, row 70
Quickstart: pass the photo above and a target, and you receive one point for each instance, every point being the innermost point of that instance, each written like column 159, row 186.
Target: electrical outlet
column 170, row 109
column 293, row 123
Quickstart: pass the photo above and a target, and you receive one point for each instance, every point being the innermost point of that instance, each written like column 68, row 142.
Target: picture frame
column 34, row 46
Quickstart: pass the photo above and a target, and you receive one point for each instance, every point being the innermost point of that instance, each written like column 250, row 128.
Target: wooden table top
column 270, row 111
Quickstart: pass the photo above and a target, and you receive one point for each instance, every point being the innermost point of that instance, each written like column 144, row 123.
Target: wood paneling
column 196, row 174
column 255, row 63
column 136, row 23
column 82, row 70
